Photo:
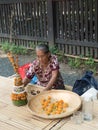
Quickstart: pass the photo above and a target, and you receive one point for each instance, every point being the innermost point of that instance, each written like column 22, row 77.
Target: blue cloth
column 34, row 80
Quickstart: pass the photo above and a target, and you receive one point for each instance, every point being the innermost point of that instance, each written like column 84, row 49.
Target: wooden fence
column 72, row 25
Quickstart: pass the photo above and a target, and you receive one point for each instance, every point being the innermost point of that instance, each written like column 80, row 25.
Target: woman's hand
column 25, row 81
column 46, row 89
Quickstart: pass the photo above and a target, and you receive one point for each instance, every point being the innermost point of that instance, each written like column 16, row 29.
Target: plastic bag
column 85, row 83
column 23, row 69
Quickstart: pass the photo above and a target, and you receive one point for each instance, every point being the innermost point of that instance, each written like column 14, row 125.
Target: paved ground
column 68, row 74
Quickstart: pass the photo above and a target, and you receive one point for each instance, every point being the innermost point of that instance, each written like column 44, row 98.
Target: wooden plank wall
column 76, row 19
column 72, row 25
column 24, row 21
column 76, row 24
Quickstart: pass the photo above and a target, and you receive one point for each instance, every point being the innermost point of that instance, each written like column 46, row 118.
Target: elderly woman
column 46, row 68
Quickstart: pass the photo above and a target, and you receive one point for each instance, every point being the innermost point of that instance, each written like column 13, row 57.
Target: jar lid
column 18, row 90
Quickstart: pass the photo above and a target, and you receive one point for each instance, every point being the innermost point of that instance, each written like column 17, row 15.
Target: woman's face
column 42, row 57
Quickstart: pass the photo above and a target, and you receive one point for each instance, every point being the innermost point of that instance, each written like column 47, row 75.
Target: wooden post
column 11, row 25
column 50, row 22
column 96, row 21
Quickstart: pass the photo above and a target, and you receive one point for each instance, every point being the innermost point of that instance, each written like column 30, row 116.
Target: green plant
column 60, row 58
column 89, row 62
column 74, row 62
column 5, row 46
column 18, row 50
column 9, row 47
column 32, row 45
column 54, row 50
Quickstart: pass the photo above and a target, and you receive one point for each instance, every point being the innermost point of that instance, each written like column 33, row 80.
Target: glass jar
column 87, row 108
column 19, row 96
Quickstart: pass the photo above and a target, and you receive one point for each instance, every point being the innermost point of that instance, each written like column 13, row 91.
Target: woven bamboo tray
column 73, row 100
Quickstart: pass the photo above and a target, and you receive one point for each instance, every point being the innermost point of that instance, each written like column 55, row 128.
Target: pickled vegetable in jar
column 19, row 96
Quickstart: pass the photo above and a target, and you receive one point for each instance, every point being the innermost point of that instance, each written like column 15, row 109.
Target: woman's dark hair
column 43, row 47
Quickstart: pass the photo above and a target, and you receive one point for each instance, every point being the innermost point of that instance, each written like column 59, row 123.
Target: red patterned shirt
column 45, row 76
